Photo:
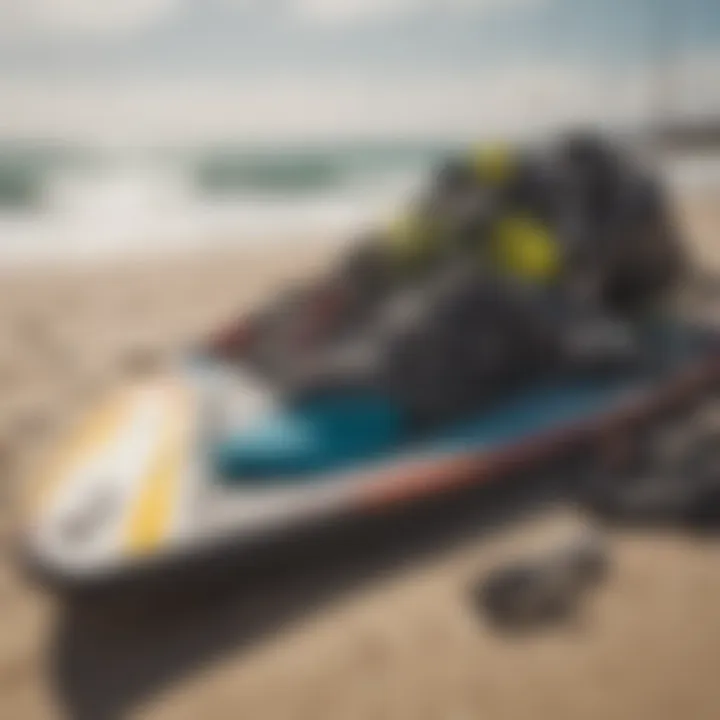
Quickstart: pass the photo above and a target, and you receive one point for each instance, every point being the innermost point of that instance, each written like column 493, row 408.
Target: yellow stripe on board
column 85, row 442
column 151, row 517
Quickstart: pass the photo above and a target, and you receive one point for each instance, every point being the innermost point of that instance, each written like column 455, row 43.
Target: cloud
column 514, row 100
column 333, row 13
column 29, row 18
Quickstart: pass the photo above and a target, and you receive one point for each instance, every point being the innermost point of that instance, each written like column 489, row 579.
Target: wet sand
column 381, row 637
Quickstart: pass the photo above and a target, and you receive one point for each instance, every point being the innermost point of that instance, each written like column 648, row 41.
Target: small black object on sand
column 544, row 589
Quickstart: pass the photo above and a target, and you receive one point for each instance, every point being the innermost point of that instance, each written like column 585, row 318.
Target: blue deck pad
column 319, row 436
column 532, row 412
column 340, row 433
column 343, row 432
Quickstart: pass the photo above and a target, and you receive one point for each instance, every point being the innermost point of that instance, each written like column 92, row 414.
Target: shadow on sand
column 106, row 660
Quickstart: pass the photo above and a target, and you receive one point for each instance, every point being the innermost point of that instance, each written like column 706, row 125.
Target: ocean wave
column 29, row 173
column 287, row 171
column 224, row 175
column 142, row 202
column 25, row 171
column 64, row 204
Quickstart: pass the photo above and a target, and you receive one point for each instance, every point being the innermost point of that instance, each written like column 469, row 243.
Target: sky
column 178, row 71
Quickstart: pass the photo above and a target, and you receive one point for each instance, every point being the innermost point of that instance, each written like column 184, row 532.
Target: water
column 66, row 204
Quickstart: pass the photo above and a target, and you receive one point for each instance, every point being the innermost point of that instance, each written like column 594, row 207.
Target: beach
column 403, row 642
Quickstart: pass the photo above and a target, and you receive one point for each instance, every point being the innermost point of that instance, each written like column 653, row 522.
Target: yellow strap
column 526, row 248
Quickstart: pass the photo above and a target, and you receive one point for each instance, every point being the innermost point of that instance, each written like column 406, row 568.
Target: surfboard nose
column 111, row 490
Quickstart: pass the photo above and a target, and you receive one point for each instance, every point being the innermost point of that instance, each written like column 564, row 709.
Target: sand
column 380, row 637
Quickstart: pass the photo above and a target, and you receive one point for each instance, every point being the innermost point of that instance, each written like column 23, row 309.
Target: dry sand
column 381, row 639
